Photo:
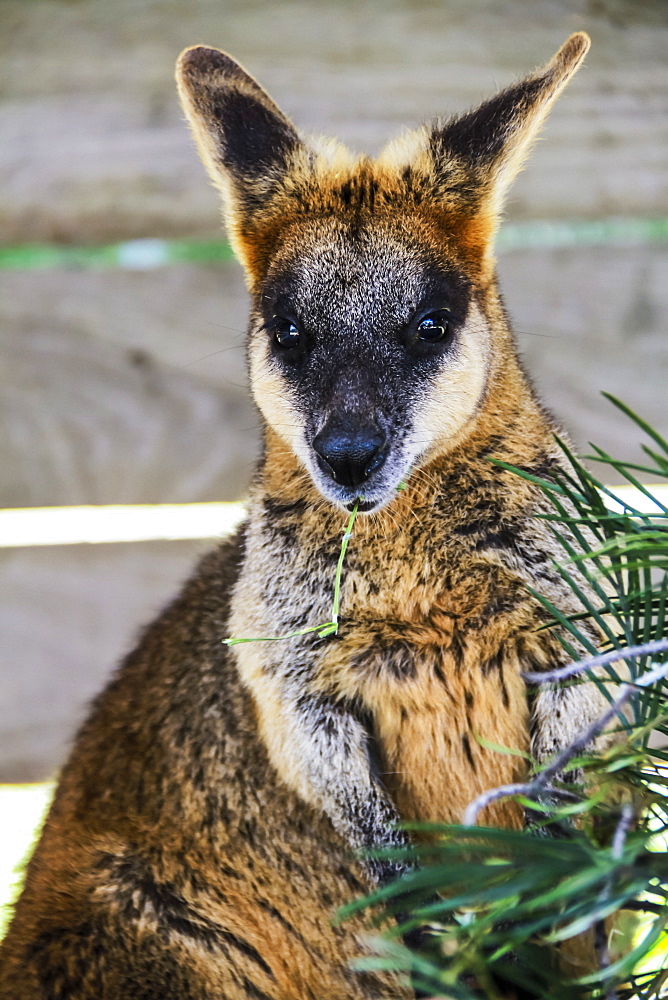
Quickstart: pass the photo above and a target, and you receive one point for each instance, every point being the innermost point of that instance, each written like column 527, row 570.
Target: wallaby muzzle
column 350, row 453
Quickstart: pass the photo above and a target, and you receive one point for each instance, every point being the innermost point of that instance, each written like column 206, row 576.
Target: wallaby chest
column 425, row 650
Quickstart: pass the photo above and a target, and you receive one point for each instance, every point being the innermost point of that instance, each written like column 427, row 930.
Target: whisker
column 221, row 326
column 222, row 350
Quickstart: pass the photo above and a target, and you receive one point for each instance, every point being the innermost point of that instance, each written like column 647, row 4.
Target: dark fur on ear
column 472, row 159
column 246, row 143
column 495, row 138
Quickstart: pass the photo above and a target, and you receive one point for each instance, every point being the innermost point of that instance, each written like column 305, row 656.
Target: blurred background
column 121, row 325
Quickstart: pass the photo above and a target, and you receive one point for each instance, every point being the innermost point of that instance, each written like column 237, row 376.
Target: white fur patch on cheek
column 452, row 398
column 272, row 395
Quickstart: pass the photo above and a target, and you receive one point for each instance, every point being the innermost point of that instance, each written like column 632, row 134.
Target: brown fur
column 204, row 829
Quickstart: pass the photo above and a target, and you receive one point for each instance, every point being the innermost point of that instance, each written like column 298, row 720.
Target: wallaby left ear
column 495, row 139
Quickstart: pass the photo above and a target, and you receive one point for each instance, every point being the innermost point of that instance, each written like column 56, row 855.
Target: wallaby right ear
column 246, row 143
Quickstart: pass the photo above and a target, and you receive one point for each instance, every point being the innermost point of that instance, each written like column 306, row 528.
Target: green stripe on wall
column 619, row 232
column 132, row 255
column 148, row 254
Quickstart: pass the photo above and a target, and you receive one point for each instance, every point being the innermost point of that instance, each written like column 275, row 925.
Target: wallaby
column 212, row 815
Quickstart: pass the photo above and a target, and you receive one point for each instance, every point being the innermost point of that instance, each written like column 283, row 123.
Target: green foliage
column 484, row 912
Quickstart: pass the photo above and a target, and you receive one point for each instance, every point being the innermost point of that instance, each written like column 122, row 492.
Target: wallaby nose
column 350, row 456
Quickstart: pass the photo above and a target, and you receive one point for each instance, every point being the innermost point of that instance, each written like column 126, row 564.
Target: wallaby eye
column 434, row 327
column 286, row 334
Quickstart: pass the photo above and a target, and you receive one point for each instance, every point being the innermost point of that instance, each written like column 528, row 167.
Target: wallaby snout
column 350, row 452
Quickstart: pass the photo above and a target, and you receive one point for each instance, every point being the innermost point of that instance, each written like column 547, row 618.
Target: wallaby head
column 377, row 338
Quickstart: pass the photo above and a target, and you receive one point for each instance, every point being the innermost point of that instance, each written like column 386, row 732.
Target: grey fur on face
column 355, row 291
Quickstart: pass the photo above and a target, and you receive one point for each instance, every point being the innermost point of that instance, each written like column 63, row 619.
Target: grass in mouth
column 324, row 629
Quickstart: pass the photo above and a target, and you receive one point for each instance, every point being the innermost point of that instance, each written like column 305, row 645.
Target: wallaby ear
column 496, row 138
column 245, row 142
column 470, row 161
